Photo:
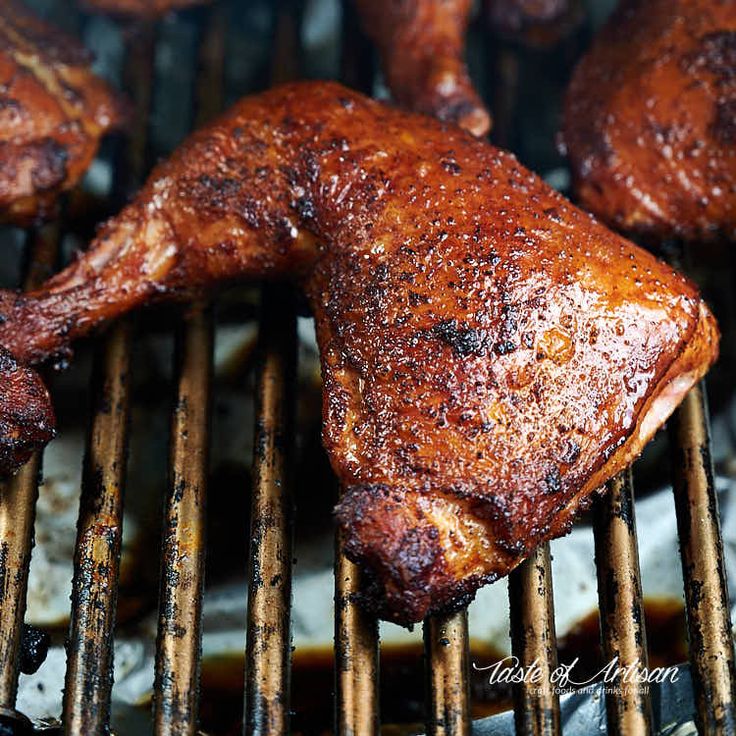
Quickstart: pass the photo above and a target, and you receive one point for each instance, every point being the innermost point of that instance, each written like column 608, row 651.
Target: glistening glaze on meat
column 650, row 119
column 490, row 353
column 53, row 112
column 422, row 46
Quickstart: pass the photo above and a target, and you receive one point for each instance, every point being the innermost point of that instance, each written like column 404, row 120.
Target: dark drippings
column 402, row 677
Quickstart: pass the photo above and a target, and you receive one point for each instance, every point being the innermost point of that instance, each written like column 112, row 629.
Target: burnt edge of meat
column 27, row 421
column 402, row 580
column 406, row 580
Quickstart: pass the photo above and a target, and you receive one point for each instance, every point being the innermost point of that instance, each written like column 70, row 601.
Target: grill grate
column 447, row 651
column 536, row 706
column 89, row 672
column 620, row 598
column 268, row 654
column 268, row 644
column 704, row 572
column 180, row 615
column 178, row 645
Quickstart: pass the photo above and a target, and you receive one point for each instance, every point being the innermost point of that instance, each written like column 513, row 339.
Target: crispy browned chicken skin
column 422, row 47
column 650, row 119
column 26, row 418
column 53, row 111
column 140, row 8
column 490, row 353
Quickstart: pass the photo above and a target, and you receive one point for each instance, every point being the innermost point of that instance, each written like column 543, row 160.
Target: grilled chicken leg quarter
column 53, row 112
column 422, row 48
column 650, row 119
column 490, row 353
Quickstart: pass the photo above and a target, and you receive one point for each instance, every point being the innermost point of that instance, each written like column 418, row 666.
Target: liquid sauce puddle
column 402, row 677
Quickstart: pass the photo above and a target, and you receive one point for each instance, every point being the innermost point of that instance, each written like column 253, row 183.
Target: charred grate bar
column 89, row 676
column 179, row 642
column 533, row 639
column 268, row 642
column 623, row 629
column 178, row 656
column 703, row 568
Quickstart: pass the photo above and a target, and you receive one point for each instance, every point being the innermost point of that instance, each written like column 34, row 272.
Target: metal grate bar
column 447, row 650
column 179, row 644
column 268, row 635
column 268, row 645
column 178, row 650
column 623, row 630
column 89, row 676
column 706, row 593
column 534, row 643
column 356, row 654
column 99, row 535
column 18, row 506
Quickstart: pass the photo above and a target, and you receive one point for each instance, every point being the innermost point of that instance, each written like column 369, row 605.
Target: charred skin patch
column 27, row 420
column 463, row 340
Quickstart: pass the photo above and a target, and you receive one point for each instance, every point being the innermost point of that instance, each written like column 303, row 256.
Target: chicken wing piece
column 140, row 8
column 53, row 112
column 26, row 417
column 650, row 120
column 422, row 48
column 490, row 353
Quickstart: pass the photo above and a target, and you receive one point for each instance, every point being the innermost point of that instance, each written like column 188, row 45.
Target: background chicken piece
column 650, row 119
column 140, row 8
column 490, row 354
column 26, row 417
column 422, row 47
column 53, row 112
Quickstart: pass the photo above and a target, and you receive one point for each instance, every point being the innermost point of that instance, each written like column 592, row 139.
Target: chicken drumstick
column 422, row 47
column 490, row 354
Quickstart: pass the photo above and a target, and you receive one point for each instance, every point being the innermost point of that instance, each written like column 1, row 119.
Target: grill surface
column 619, row 593
column 268, row 654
